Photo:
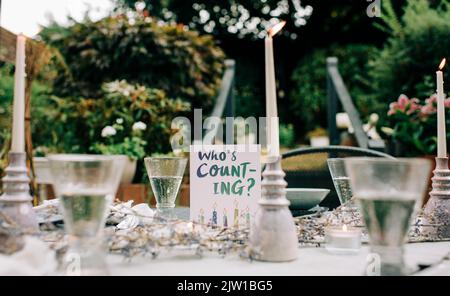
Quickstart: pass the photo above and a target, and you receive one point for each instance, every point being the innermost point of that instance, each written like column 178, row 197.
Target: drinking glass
column 85, row 186
column 388, row 192
column 341, row 182
column 165, row 174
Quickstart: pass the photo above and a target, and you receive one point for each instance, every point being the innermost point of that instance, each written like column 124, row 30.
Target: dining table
column 424, row 259
column 421, row 259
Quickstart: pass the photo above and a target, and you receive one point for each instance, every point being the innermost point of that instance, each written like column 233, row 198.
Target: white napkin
column 139, row 214
column 34, row 259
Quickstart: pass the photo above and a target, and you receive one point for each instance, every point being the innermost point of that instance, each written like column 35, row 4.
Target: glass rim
column 81, row 157
column 309, row 190
column 164, row 157
column 381, row 160
column 335, row 159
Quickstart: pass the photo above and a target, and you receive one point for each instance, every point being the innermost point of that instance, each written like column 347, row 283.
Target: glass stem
column 391, row 260
column 85, row 256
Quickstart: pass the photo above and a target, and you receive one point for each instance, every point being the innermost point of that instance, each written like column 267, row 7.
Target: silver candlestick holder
column 437, row 210
column 273, row 236
column 15, row 202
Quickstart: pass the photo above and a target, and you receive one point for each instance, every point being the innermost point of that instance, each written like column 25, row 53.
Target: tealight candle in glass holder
column 343, row 240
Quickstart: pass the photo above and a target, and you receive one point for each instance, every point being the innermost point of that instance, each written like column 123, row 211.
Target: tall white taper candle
column 271, row 100
column 442, row 136
column 273, row 138
column 18, row 128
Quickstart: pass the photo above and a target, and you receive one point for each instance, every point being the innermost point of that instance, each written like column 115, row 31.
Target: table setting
column 134, row 233
column 239, row 221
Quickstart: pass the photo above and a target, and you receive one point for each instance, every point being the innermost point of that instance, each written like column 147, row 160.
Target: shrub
column 309, row 93
column 119, row 140
column 287, row 135
column 418, row 40
column 81, row 120
column 141, row 50
column 412, row 125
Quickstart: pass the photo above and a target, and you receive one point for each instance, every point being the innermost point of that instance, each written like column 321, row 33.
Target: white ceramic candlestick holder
column 273, row 236
column 437, row 210
column 15, row 202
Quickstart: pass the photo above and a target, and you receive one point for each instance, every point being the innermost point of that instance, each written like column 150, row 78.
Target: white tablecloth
column 310, row 262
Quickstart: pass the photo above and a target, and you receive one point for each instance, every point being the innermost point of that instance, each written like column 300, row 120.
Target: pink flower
column 447, row 103
column 414, row 106
column 404, row 105
column 430, row 106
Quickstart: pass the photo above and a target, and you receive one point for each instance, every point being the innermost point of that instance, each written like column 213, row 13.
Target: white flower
column 112, row 86
column 119, row 120
column 108, row 131
column 139, row 126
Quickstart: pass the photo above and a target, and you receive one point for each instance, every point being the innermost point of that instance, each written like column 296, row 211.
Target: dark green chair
column 307, row 167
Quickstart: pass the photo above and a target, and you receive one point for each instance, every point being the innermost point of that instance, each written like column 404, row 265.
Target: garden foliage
column 412, row 125
column 407, row 63
column 309, row 90
column 80, row 121
column 139, row 49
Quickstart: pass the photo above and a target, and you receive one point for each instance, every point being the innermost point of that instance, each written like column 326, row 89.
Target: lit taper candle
column 271, row 93
column 442, row 137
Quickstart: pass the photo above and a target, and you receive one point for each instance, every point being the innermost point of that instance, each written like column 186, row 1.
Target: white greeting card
column 225, row 184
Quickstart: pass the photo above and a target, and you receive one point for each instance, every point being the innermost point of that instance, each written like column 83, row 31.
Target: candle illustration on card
column 201, row 217
column 247, row 217
column 214, row 215
column 236, row 214
column 223, row 179
column 225, row 218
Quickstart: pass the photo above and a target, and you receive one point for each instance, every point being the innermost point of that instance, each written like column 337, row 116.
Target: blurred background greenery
column 166, row 57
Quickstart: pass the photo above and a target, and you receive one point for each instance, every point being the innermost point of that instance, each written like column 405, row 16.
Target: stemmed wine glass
column 85, row 186
column 388, row 192
column 341, row 182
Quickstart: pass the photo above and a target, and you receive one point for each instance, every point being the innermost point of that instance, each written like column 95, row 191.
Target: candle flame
column 277, row 28
column 344, row 228
column 442, row 65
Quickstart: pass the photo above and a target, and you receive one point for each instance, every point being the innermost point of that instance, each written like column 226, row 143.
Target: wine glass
column 341, row 182
column 85, row 186
column 165, row 174
column 388, row 192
